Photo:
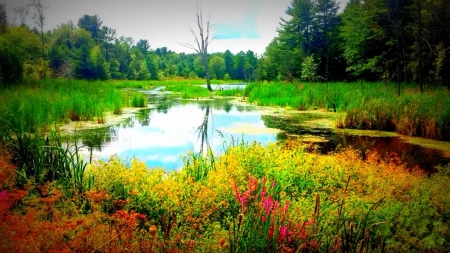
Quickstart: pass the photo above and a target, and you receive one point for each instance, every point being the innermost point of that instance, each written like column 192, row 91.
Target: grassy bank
column 30, row 108
column 194, row 91
column 150, row 84
column 251, row 199
column 367, row 105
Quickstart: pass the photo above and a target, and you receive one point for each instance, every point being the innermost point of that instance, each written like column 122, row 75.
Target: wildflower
column 152, row 231
column 267, row 205
column 263, row 193
column 303, row 234
column 3, row 194
column 282, row 234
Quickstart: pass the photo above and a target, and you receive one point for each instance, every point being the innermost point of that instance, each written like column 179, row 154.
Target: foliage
column 250, row 201
column 309, row 69
column 367, row 105
column 35, row 109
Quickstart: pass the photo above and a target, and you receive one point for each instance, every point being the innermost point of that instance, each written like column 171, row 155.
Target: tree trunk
column 207, row 72
column 420, row 47
column 399, row 76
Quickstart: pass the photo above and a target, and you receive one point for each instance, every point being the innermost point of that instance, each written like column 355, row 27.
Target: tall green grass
column 189, row 91
column 31, row 108
column 42, row 160
column 367, row 105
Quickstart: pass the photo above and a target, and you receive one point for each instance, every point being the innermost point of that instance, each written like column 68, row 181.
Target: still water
column 161, row 134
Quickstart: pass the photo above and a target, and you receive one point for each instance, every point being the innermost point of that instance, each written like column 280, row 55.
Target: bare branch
column 201, row 41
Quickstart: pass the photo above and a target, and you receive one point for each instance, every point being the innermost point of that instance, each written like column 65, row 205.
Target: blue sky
column 239, row 24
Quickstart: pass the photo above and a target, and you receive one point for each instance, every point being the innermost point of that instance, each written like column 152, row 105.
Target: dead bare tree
column 22, row 12
column 202, row 40
column 39, row 19
column 3, row 18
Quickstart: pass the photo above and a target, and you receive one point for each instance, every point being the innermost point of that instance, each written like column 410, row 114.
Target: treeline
column 389, row 40
column 91, row 51
column 398, row 40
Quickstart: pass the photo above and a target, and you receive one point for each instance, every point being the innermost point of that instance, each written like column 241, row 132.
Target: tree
column 39, row 19
column 93, row 25
column 217, row 66
column 3, row 18
column 202, row 41
column 229, row 64
column 143, row 46
column 309, row 69
column 19, row 47
column 22, row 12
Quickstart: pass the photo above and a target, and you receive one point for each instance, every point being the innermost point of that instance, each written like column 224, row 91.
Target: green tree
column 93, row 25
column 309, row 69
column 217, row 66
column 229, row 64
column 143, row 46
column 19, row 55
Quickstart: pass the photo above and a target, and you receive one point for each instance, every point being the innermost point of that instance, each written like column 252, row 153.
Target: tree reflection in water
column 202, row 130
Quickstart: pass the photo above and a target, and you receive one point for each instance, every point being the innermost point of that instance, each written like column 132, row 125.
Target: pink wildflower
column 275, row 206
column 3, row 194
column 303, row 231
column 283, row 233
column 236, row 191
column 274, row 184
column 267, row 205
column 263, row 193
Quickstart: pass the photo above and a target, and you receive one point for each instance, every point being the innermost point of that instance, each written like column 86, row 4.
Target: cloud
column 245, row 28
column 241, row 25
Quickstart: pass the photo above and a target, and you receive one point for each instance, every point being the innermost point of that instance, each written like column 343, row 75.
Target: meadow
column 372, row 106
column 252, row 198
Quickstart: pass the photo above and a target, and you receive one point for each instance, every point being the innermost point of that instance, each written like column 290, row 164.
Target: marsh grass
column 189, row 91
column 371, row 106
column 150, row 84
column 230, row 92
column 38, row 107
column 47, row 159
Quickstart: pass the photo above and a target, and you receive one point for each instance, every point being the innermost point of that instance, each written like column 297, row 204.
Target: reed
column 367, row 105
column 189, row 91
column 35, row 108
column 47, row 159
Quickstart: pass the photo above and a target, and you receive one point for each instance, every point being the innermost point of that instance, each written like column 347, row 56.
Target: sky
column 239, row 25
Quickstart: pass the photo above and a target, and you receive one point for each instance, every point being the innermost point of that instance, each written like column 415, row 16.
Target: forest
column 373, row 40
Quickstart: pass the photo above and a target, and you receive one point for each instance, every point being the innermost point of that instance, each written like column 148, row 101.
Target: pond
column 161, row 134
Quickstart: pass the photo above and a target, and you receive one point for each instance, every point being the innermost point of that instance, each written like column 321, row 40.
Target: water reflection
column 329, row 141
column 161, row 135
column 202, row 131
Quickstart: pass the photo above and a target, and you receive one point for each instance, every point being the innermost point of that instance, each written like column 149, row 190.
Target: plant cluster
column 253, row 198
column 372, row 106
column 52, row 102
